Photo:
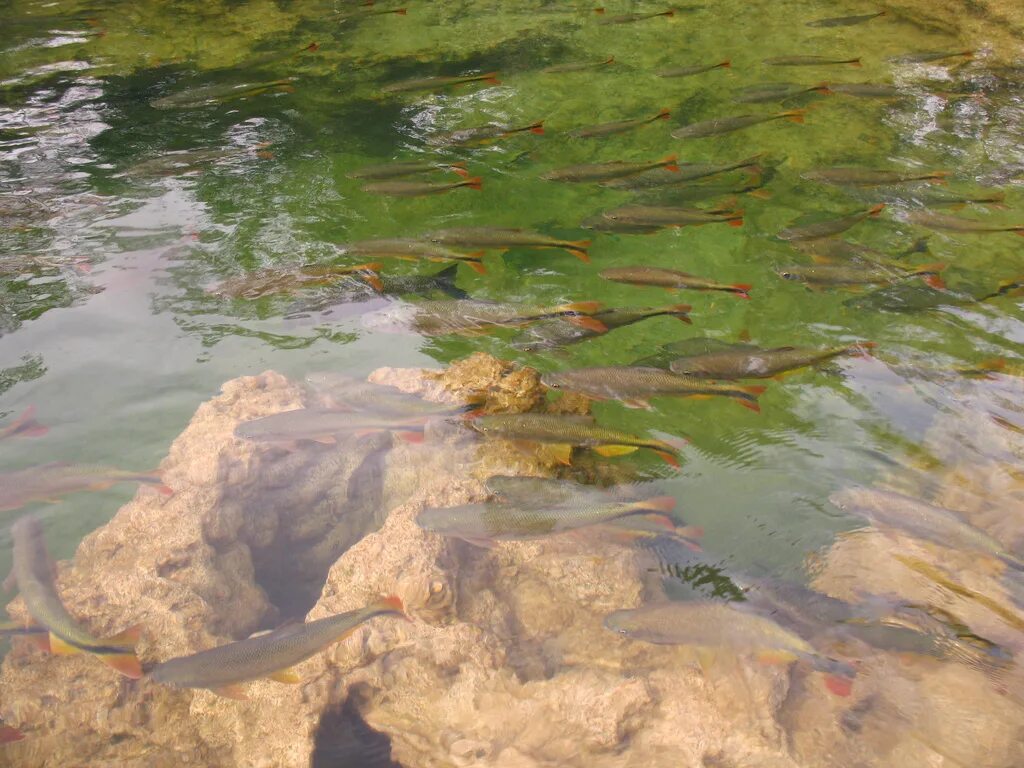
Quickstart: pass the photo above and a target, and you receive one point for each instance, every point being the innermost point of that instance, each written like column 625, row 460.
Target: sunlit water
column 108, row 326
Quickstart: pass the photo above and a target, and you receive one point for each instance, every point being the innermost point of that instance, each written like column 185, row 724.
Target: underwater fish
column 628, row 18
column 369, row 286
column 367, row 11
column 24, row 425
column 837, row 275
column 833, row 249
column 925, row 521
column 867, row 90
column 47, row 482
column 711, row 359
column 756, row 94
column 845, row 21
column 634, row 385
column 687, row 172
column 440, row 82
column 266, row 655
column 717, row 625
column 33, row 575
column 828, row 228
column 934, row 220
column 938, row 196
column 410, row 249
column 528, row 490
column 808, row 61
column 924, row 57
column 552, row 333
column 324, row 425
column 217, row 94
column 468, row 316
column 616, row 169
column 504, row 239
column 577, row 66
column 867, row 177
column 672, row 279
column 617, row 126
column 179, row 163
column 665, row 216
column 285, row 281
column 693, row 69
column 720, row 125
column 482, row 134
column 402, row 168
column 565, row 432
column 419, row 188
column 343, row 392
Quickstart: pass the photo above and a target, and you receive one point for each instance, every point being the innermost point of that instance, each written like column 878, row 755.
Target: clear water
column 119, row 342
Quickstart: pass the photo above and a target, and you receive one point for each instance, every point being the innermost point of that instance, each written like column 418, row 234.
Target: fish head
column 789, row 274
column 553, row 380
column 625, row 622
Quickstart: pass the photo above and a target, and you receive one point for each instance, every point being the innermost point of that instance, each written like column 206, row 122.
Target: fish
column 808, row 61
column 628, row 18
column 830, row 227
column 577, row 66
column 367, row 11
column 266, row 655
column 420, row 188
column 618, row 126
column 616, row 169
column 552, row 333
column 937, row 196
column 517, row 522
column 47, row 482
column 18, row 629
column 483, row 134
column 687, row 172
column 867, row 90
column 709, row 359
column 325, row 425
column 634, row 385
column 367, row 286
column 565, row 432
column 535, row 491
column 217, row 94
column 10, row 734
column 666, row 216
column 833, row 249
column 925, row 57
column 720, row 125
column 717, row 625
column 867, row 177
column 693, row 69
column 24, row 425
column 406, row 168
column 179, row 163
column 845, row 21
column 757, row 94
column 1012, row 287
column 504, row 239
column 672, row 279
column 411, row 249
column 934, row 220
column 440, row 82
column 923, row 520
column 33, row 575
column 340, row 391
column 265, row 282
column 471, row 317
column 826, row 275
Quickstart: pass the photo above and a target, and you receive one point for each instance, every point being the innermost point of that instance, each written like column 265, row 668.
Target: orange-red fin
column 751, row 405
column 9, row 734
column 669, row 458
column 671, row 163
column 839, row 686
column 934, row 281
column 125, row 663
column 794, row 115
column 876, row 209
column 460, row 169
column 401, row 11
column 236, row 692
column 738, row 222
column 663, row 114
column 410, row 437
column 599, row 11
column 476, row 183
column 589, row 323
column 742, row 289
column 663, row 504
column 562, row 453
column 537, row 127
column 727, row 64
column 391, row 603
column 127, row 638
column 855, row 63
column 477, row 266
column 40, row 640
column 691, row 531
column 661, row 521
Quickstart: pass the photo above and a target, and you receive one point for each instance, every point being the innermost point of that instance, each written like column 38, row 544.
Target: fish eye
column 787, row 275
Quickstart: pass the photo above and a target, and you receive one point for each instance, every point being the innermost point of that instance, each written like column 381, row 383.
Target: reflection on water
column 594, row 543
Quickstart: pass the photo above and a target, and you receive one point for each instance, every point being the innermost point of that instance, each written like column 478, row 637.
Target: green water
column 117, row 358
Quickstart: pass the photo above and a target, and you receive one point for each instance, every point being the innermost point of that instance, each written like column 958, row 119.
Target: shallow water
column 113, row 334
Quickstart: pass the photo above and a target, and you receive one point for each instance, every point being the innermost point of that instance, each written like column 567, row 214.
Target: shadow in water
column 344, row 740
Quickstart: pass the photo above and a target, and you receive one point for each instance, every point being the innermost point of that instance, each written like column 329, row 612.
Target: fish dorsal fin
column 702, row 345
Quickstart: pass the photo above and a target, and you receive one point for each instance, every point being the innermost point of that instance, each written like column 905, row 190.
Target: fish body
column 808, row 61
column 934, row 220
column 323, row 425
column 420, row 188
column 742, row 362
column 618, row 126
column 693, row 69
column 498, row 238
column 824, row 275
column 578, row 66
column 280, row 281
column 47, row 482
column 925, row 57
column 845, row 21
column 411, row 248
column 666, row 216
column 721, row 125
column 24, row 425
column 828, row 228
column 552, row 333
column 482, row 134
column 344, row 392
column 687, row 172
column 181, row 162
column 672, row 279
column 938, row 196
column 757, row 94
column 405, row 168
column 629, row 18
column 634, row 385
column 217, row 94
column 440, row 83
column 268, row 654
column 437, row 317
column 33, row 574
column 867, row 90
column 866, row 177
column 616, row 169
column 925, row 521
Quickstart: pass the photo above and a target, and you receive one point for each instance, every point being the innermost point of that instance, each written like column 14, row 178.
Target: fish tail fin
column 491, row 77
column 876, row 209
column 9, row 734
column 311, row 47
column 578, row 248
column 587, row 322
column 475, row 182
column 669, row 13
column 671, row 163
column 583, row 307
column 401, row 11
column 663, row 114
column 126, row 663
column 599, row 11
column 863, row 348
column 823, row 88
column 691, row 531
column 854, row 63
column 682, row 312
column 537, row 127
column 373, row 280
column 794, row 115
column 669, row 458
column 839, row 685
column 154, row 480
column 391, row 604
column 128, row 638
column 738, row 221
column 741, row 289
column 666, row 505
column 727, row 64
column 459, row 168
column 26, row 424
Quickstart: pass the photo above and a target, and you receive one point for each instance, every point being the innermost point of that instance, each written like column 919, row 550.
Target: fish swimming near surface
column 411, row 249
column 633, row 386
column 440, row 83
column 715, row 625
column 926, row 57
column 566, row 432
column 617, row 126
column 582, row 66
column 615, row 169
column 944, row 221
column 286, row 281
column 765, row 92
column 687, row 172
column 553, row 333
column 483, row 134
column 216, row 94
column 693, row 69
column 505, row 239
column 845, row 21
column 828, row 275
column 867, row 90
column 672, row 279
column 868, row 177
column 471, row 317
column 628, row 18
column 33, row 575
column 808, row 61
column 667, row 216
column 922, row 520
column 367, row 11
column 421, row 188
column 266, row 655
column 402, row 168
column 712, row 359
column 938, row 196
column 720, row 125
column 325, row 425
column 48, row 482
column 340, row 391
column 830, row 227
column 24, row 425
